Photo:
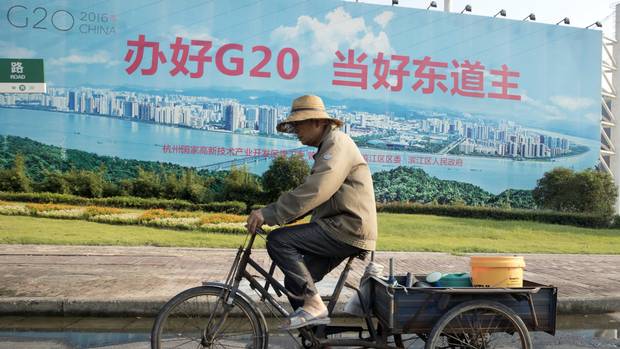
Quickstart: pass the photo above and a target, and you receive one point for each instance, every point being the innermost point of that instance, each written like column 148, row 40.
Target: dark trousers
column 305, row 254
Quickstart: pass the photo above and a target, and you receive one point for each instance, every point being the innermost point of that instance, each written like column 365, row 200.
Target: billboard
column 470, row 101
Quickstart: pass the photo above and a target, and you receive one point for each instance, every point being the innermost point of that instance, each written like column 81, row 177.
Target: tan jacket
column 338, row 193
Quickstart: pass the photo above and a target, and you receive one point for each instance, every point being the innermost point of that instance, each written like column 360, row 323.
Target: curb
column 582, row 306
column 150, row 307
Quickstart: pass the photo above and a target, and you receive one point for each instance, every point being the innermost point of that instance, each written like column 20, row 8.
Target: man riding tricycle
column 339, row 195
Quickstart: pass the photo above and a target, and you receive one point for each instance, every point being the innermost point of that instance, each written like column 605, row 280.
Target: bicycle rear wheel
column 199, row 318
column 480, row 324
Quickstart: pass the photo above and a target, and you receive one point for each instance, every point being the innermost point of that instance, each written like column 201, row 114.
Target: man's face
column 308, row 132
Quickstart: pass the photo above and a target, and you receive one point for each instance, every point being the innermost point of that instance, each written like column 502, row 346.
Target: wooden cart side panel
column 412, row 310
column 415, row 312
column 382, row 303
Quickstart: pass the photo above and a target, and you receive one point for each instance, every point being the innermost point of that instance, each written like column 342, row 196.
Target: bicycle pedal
column 335, row 329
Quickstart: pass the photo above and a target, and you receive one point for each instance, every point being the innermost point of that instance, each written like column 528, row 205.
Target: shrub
column 120, row 218
column 588, row 191
column 160, row 213
column 85, row 183
column 135, row 202
column 595, row 192
column 91, row 211
column 171, row 186
column 36, row 208
column 17, row 210
column 45, row 198
column 194, row 188
column 15, row 179
column 236, row 207
column 182, row 223
column 146, row 185
column 241, row 185
column 227, row 228
column 73, row 213
column 111, row 189
column 53, row 182
column 283, row 175
column 568, row 218
column 222, row 218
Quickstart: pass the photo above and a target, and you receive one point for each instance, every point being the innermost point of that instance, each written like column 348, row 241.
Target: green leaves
column 414, row 185
column 283, row 175
column 563, row 189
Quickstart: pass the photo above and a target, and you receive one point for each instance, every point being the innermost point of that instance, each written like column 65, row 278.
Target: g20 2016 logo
column 62, row 20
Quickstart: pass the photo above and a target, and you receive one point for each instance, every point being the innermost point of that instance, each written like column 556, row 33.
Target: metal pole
column 446, row 5
column 614, row 159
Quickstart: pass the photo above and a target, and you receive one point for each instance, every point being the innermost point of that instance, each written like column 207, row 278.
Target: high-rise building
column 251, row 117
column 267, row 120
column 72, row 101
column 185, row 116
column 130, row 109
column 82, row 103
column 347, row 128
column 232, row 116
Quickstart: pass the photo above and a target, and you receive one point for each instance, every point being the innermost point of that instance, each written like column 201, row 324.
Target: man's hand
column 255, row 220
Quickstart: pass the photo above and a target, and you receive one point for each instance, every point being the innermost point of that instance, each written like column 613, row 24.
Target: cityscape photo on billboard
column 470, row 107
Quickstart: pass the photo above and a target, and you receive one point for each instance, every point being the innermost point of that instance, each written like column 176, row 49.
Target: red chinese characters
column 190, row 59
column 426, row 71
column 200, row 58
column 376, row 158
column 230, row 151
column 434, row 161
column 180, row 54
column 504, row 84
column 430, row 76
column 141, row 44
column 382, row 71
column 470, row 83
column 353, row 69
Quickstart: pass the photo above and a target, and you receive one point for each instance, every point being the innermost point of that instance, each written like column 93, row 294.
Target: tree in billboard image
column 283, row 175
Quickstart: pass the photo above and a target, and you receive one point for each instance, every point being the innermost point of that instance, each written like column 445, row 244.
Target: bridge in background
column 225, row 165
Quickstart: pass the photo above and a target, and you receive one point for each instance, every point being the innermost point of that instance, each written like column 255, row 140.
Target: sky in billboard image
column 462, row 96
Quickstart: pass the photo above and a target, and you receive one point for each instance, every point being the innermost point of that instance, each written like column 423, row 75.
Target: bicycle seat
column 362, row 255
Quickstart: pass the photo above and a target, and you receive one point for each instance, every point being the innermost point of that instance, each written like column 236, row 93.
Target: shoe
column 301, row 318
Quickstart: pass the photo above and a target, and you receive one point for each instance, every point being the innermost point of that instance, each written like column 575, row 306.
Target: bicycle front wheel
column 199, row 318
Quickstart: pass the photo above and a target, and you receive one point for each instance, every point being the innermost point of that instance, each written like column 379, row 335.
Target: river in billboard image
column 128, row 139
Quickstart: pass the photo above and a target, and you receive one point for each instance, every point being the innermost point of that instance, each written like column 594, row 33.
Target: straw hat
column 306, row 107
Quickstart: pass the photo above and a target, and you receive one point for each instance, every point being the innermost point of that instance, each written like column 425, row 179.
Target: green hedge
column 567, row 218
column 136, row 202
column 51, row 198
column 237, row 207
column 126, row 201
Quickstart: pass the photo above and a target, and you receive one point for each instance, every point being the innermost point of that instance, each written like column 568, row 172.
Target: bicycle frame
column 315, row 335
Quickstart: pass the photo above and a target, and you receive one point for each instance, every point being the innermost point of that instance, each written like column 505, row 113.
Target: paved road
column 115, row 280
column 112, row 279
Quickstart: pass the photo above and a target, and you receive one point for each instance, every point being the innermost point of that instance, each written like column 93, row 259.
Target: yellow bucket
column 497, row 271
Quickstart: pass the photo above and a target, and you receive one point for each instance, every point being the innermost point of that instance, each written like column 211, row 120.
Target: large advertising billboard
column 477, row 102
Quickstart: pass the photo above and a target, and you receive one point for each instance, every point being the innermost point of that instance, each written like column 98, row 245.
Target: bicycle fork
column 226, row 299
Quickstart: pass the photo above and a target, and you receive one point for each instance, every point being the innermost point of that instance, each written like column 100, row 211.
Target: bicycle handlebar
column 258, row 231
